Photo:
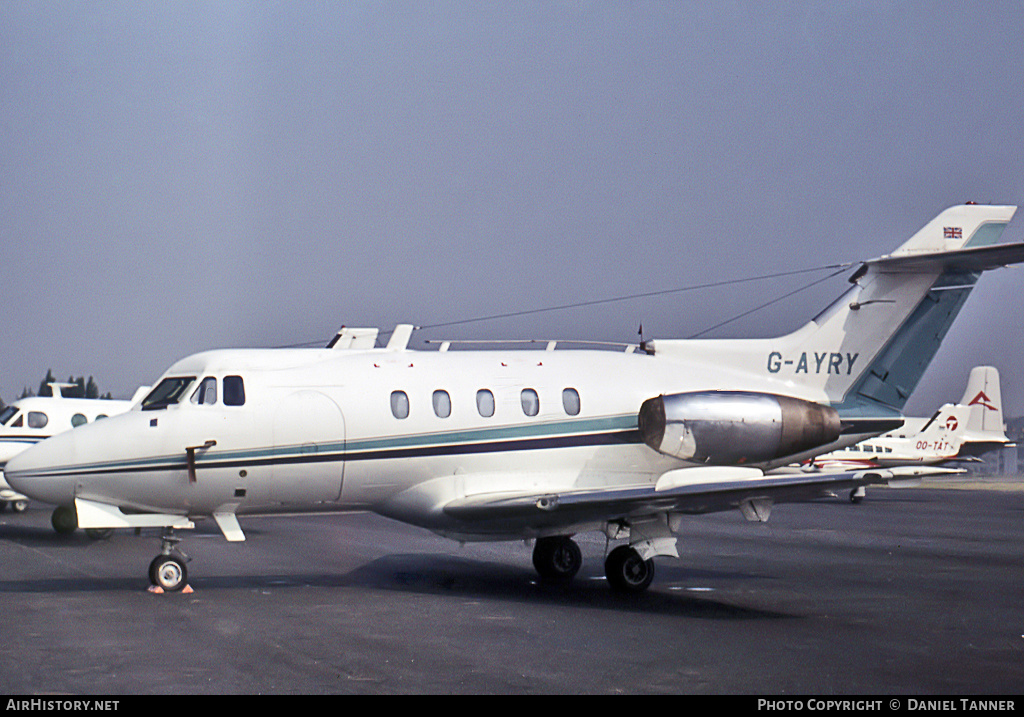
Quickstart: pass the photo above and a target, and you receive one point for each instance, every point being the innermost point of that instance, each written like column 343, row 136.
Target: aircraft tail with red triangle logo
column 985, row 430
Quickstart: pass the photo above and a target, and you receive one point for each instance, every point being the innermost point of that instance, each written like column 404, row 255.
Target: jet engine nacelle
column 735, row 427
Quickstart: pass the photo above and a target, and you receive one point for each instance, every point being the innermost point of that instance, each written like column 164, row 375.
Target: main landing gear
column 558, row 559
column 167, row 572
column 627, row 572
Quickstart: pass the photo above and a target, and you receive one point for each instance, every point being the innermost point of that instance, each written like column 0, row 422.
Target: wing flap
column 705, row 492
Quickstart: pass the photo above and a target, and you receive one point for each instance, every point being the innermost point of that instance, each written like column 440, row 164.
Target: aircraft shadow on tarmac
column 427, row 574
column 447, row 575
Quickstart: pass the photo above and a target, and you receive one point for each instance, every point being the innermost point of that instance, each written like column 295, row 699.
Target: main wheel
column 557, row 558
column 627, row 572
column 64, row 519
column 168, row 572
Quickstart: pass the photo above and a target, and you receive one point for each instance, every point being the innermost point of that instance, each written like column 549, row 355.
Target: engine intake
column 735, row 427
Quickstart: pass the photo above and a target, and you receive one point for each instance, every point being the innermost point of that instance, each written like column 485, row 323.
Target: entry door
column 309, row 445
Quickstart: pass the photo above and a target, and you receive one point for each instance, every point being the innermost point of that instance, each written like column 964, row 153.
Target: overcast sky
column 176, row 177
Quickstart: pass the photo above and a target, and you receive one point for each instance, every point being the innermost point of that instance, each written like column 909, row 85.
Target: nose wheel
column 168, row 571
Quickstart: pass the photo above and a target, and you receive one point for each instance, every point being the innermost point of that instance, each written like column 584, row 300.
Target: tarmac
column 914, row 591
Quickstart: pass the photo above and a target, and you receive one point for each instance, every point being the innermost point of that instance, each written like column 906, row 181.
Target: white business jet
column 956, row 432
column 518, row 444
column 34, row 418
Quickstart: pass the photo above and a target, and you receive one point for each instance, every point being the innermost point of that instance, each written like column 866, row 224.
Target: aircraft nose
column 36, row 471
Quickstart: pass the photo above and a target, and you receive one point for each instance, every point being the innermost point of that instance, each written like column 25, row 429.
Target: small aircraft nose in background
column 117, row 463
column 32, row 419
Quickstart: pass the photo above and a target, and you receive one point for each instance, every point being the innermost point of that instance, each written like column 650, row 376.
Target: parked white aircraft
column 34, row 418
column 956, row 432
column 514, row 444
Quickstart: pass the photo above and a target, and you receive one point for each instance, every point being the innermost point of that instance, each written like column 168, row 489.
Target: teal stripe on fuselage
column 491, row 439
column 503, row 433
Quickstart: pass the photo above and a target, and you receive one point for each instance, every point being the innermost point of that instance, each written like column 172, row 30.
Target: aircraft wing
column 690, row 491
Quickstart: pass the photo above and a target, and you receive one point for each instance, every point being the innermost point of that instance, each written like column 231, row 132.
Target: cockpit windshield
column 167, row 393
column 7, row 414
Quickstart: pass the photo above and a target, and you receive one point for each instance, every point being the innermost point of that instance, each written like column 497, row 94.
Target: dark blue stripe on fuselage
column 526, row 444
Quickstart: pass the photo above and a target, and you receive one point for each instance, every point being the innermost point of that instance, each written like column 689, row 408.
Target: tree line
column 72, row 388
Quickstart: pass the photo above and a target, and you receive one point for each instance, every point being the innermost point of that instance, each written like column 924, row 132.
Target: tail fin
column 867, row 351
column 948, row 423
column 944, row 434
column 984, row 400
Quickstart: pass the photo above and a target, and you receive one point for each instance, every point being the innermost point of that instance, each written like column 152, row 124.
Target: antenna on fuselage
column 400, row 337
column 643, row 344
column 350, row 338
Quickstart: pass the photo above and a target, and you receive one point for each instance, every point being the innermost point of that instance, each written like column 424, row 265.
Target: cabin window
column 442, row 404
column 206, row 394
column 571, row 401
column 167, row 393
column 234, row 391
column 37, row 419
column 530, row 401
column 100, row 415
column 399, row 404
column 77, row 420
column 485, row 403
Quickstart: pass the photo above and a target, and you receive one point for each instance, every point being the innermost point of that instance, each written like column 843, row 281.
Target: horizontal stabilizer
column 964, row 260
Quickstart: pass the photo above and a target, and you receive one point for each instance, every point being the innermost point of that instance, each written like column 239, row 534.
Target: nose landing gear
column 167, row 572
